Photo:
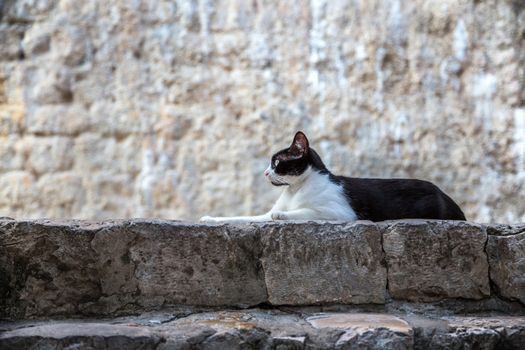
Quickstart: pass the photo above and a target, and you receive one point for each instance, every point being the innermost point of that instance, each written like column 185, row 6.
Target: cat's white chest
column 325, row 199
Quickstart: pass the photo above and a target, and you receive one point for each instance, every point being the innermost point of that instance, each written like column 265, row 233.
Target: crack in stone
column 486, row 253
column 385, row 260
column 260, row 263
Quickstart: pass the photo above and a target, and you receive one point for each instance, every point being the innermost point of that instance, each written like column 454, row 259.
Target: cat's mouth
column 275, row 179
column 275, row 183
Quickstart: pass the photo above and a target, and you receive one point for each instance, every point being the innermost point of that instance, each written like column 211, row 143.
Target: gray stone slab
column 315, row 263
column 80, row 335
column 271, row 329
column 366, row 331
column 507, row 265
column 81, row 268
column 433, row 260
column 469, row 332
column 198, row 264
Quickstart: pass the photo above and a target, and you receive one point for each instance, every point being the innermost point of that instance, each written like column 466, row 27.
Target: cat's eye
column 276, row 162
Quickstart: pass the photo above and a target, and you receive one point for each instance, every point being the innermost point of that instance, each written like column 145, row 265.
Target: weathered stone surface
column 10, row 38
column 432, row 260
column 317, row 264
column 474, row 332
column 12, row 121
column 54, row 268
column 507, row 264
column 366, row 331
column 64, row 191
column 505, row 229
column 49, row 154
column 10, row 154
column 80, row 336
column 207, row 90
column 27, row 11
column 69, row 268
column 199, row 265
column 47, row 268
column 36, row 41
column 270, row 329
column 17, row 187
column 58, row 120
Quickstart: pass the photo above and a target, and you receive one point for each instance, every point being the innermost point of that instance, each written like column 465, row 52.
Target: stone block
column 36, row 40
column 71, row 45
column 108, row 153
column 49, row 154
column 17, row 188
column 58, row 120
column 49, row 86
column 461, row 332
column 198, row 264
column 366, row 331
column 12, row 119
column 105, row 191
column 10, row 153
column 47, row 268
column 507, row 264
column 82, row 335
column 27, row 11
column 10, row 42
column 63, row 192
column 81, row 268
column 432, row 260
column 94, row 152
column 312, row 263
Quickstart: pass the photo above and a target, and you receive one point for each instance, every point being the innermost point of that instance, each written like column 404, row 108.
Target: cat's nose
column 266, row 173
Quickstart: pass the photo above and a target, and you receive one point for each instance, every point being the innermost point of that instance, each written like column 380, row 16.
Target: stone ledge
column 270, row 329
column 80, row 268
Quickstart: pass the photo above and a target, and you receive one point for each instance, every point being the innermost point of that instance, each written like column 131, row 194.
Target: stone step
column 291, row 328
column 89, row 269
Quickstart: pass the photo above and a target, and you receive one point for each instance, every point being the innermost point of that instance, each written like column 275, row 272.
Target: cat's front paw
column 207, row 219
column 279, row 215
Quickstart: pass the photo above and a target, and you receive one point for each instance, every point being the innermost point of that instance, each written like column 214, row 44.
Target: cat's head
column 291, row 165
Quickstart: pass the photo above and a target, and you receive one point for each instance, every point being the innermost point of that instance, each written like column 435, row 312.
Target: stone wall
column 172, row 108
column 157, row 284
column 75, row 268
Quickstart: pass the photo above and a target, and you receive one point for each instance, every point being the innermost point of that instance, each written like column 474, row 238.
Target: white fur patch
column 309, row 196
column 316, row 196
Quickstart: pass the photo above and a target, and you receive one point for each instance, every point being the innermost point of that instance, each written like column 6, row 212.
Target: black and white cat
column 312, row 192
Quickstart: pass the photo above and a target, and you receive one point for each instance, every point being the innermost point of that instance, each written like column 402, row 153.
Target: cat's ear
column 299, row 145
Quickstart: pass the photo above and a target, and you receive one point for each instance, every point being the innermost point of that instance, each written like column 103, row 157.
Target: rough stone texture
column 437, row 259
column 271, row 329
column 80, row 336
column 53, row 268
column 474, row 332
column 82, row 268
column 172, row 108
column 507, row 265
column 320, row 263
column 366, row 331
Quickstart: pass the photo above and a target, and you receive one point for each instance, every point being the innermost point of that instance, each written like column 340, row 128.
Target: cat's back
column 380, row 199
column 389, row 185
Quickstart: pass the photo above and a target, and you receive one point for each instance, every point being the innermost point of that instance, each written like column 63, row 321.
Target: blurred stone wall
column 113, row 109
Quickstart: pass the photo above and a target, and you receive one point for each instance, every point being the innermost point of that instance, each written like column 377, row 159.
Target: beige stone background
column 116, row 109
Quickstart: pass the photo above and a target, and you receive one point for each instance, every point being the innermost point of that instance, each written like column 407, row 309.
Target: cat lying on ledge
column 312, row 192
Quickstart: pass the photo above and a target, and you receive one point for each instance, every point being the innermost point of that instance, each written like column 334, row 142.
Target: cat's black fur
column 372, row 199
